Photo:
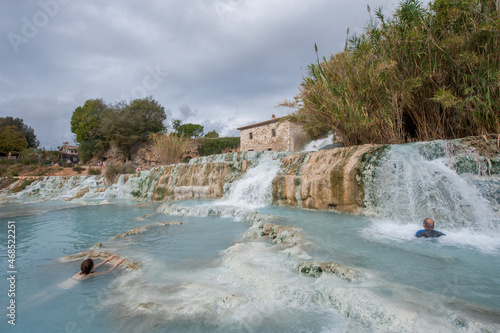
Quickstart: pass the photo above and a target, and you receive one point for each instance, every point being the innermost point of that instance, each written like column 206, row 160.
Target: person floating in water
column 429, row 230
column 87, row 268
column 86, row 272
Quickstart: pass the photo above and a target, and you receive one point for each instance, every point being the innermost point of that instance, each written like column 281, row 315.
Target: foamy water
column 253, row 190
column 214, row 273
column 318, row 144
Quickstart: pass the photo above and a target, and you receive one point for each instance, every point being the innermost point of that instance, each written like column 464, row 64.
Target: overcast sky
column 219, row 63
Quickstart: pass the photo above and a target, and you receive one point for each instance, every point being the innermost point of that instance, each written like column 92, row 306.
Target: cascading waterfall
column 415, row 181
column 318, row 144
column 253, row 189
column 82, row 188
column 57, row 188
column 409, row 187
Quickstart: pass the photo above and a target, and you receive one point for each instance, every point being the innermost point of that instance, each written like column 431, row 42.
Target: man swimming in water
column 429, row 230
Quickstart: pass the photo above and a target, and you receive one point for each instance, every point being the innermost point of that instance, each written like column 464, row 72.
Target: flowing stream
column 212, row 268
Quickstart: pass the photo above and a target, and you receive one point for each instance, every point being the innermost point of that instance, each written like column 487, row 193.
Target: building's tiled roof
column 273, row 120
column 65, row 149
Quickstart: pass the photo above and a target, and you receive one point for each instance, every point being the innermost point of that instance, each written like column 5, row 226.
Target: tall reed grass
column 168, row 147
column 429, row 72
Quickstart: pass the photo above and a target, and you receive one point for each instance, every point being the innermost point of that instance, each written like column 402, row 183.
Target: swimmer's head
column 428, row 223
column 87, row 266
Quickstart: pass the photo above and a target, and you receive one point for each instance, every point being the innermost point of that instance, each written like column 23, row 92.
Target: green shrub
column 94, row 171
column 211, row 146
column 212, row 135
column 78, row 168
column 32, row 155
column 8, row 162
column 47, row 170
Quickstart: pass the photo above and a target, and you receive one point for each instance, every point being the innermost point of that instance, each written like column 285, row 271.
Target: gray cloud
column 219, row 63
column 223, row 128
column 186, row 112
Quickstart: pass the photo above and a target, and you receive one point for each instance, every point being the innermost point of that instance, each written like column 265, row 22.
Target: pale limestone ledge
column 291, row 238
column 328, row 179
column 324, row 180
column 146, row 227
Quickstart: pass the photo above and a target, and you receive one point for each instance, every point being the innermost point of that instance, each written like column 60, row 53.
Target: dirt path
column 71, row 172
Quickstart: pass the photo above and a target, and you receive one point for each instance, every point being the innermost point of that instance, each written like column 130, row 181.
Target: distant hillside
column 143, row 154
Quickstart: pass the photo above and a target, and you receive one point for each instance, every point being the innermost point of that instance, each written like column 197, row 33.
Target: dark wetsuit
column 428, row 233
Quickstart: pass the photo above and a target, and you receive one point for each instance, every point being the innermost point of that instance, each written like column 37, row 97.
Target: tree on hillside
column 176, row 123
column 26, row 130
column 12, row 140
column 85, row 124
column 128, row 124
column 119, row 126
column 96, row 124
column 212, row 134
column 86, row 119
column 191, row 130
column 149, row 115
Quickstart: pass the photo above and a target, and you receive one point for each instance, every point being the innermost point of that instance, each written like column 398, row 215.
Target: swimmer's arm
column 102, row 263
column 119, row 261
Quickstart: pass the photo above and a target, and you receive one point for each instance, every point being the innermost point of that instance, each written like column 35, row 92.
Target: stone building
column 276, row 134
column 69, row 153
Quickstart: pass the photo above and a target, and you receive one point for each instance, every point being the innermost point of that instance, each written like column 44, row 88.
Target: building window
column 273, row 132
column 269, row 149
column 251, row 135
column 250, row 149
